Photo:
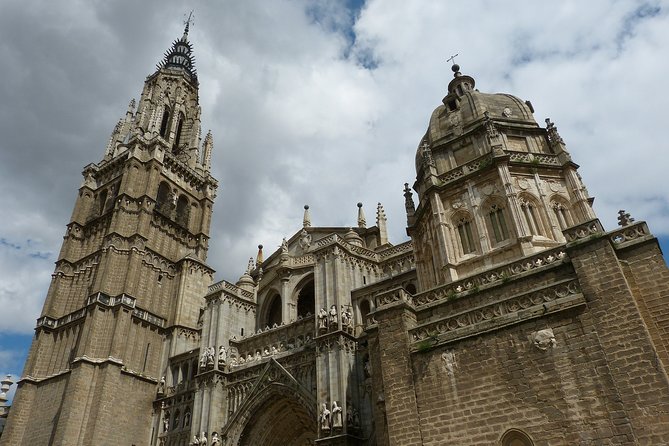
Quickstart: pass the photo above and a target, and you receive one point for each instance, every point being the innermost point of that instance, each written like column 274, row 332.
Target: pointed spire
column 207, row 146
column 259, row 257
column 362, row 221
column 306, row 221
column 180, row 55
column 381, row 221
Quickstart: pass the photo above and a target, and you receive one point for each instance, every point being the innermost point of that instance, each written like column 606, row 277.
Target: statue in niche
column 333, row 315
column 367, row 367
column 222, row 356
column 325, row 417
column 210, row 356
column 346, row 317
column 166, row 422
column 352, row 416
column 322, row 319
column 336, row 415
column 161, row 386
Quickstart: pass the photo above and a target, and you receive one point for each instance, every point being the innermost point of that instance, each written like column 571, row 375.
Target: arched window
column 163, row 202
column 364, row 310
column 562, row 214
column 306, row 300
column 410, row 288
column 164, row 123
column 531, row 214
column 515, row 437
column 497, row 221
column 186, row 422
column 102, row 201
column 183, row 211
column 274, row 311
column 465, row 234
column 177, row 137
column 175, row 421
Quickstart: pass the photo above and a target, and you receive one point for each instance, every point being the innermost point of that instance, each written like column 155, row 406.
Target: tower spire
column 180, row 55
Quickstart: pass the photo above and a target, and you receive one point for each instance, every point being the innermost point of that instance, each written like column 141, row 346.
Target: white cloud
column 297, row 118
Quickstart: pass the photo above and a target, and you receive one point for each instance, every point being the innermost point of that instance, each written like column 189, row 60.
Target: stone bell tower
column 492, row 185
column 128, row 283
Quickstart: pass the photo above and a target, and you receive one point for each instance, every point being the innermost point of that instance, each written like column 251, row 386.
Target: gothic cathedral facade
column 511, row 317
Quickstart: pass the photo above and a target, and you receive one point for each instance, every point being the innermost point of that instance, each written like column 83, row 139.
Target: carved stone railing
column 533, row 158
column 500, row 274
column 402, row 248
column 592, row 228
column 229, row 287
column 107, row 301
column 392, row 296
column 626, row 234
column 272, row 341
column 467, row 168
column 561, row 295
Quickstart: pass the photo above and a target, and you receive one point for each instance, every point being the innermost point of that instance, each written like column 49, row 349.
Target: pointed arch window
column 274, row 311
column 562, row 215
column 531, row 215
column 177, row 137
column 466, row 235
column 498, row 223
column 163, row 199
column 306, row 300
column 183, row 211
column 164, row 122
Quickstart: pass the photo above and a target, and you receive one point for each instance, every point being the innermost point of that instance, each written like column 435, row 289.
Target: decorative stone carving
column 449, row 362
column 203, row 439
column 325, row 417
column 333, row 315
column 222, row 356
column 284, row 246
column 161, row 386
column 215, row 440
column 305, row 239
column 196, row 440
column 346, row 317
column 336, row 415
column 624, row 218
column 543, row 339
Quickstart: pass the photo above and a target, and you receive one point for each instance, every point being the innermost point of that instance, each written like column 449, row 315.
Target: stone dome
column 463, row 109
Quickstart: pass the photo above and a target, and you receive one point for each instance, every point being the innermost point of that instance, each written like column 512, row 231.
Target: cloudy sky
column 318, row 102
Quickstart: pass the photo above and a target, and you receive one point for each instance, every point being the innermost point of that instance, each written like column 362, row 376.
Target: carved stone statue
column 210, row 356
column 346, row 317
column 196, row 441
column 325, row 417
column 222, row 356
column 161, row 386
column 305, row 240
column 322, row 319
column 203, row 439
column 166, row 422
column 284, row 246
column 215, row 440
column 336, row 415
column 333, row 315
column 203, row 359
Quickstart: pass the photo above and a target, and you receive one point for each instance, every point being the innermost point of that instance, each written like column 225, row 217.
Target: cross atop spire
column 188, row 22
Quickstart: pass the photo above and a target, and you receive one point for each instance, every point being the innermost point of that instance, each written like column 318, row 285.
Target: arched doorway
column 306, row 300
column 279, row 414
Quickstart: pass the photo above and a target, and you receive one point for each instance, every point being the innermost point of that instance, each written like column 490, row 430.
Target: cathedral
column 511, row 317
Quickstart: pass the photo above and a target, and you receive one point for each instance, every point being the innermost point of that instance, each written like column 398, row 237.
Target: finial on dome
column 259, row 257
column 455, row 68
column 306, row 221
column 362, row 220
